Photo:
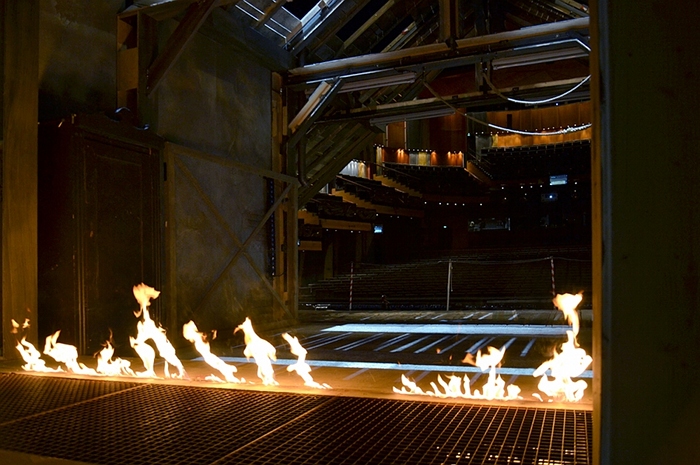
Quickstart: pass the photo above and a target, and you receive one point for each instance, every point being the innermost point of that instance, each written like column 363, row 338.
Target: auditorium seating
column 536, row 161
column 444, row 180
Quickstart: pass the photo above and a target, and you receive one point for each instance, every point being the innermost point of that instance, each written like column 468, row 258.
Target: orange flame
column 192, row 334
column 301, row 367
column 66, row 354
column 568, row 363
column 458, row 387
column 147, row 329
column 261, row 350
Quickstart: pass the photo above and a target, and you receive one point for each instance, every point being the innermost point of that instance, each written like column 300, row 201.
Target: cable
column 501, row 128
column 535, row 102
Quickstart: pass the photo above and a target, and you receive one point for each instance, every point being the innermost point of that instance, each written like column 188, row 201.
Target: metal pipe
column 424, row 52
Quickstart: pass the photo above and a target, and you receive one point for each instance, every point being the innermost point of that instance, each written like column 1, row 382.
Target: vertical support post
column 147, row 37
column 352, row 276
column 293, row 252
column 19, row 169
column 449, row 283
column 646, row 231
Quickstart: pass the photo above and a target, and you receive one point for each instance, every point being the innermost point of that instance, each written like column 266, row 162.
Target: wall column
column 20, row 85
column 646, row 232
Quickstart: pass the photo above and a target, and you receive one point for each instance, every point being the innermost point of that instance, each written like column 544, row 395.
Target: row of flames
column 107, row 365
column 568, row 363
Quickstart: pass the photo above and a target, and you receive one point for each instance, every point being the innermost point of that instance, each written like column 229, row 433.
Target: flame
column 192, row 334
column 261, row 350
column 457, row 387
column 147, row 329
column 568, row 363
column 66, row 354
column 301, row 367
column 32, row 358
column 107, row 366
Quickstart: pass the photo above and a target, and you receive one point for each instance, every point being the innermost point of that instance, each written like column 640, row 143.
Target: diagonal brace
column 195, row 16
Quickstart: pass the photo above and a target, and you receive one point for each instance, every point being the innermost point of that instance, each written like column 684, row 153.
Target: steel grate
column 105, row 422
column 25, row 395
column 375, row 431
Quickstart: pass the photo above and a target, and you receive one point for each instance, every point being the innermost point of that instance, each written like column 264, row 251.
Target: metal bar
column 303, row 126
column 230, row 232
column 195, row 16
column 426, row 53
column 238, row 253
column 269, row 11
column 349, row 41
column 181, row 149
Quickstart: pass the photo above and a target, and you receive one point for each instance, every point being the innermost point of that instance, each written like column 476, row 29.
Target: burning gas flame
column 29, row 353
column 457, row 387
column 301, row 367
column 261, row 350
column 66, row 354
column 112, row 367
column 192, row 334
column 571, row 362
column 147, row 329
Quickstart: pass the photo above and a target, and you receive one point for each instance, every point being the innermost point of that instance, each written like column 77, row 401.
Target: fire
column 147, row 329
column 456, row 387
column 261, row 350
column 301, row 367
column 571, row 362
column 192, row 334
column 66, row 354
column 112, row 367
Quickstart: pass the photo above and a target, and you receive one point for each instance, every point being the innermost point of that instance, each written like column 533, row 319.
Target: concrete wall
column 646, row 167
column 213, row 100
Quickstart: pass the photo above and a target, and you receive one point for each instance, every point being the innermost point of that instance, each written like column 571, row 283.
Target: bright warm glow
column 301, row 367
column 192, row 334
column 66, row 354
column 112, row 367
column 147, row 329
column 568, row 363
column 261, row 350
column 456, row 387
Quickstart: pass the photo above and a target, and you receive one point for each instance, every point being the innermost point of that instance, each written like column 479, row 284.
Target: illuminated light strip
column 501, row 128
column 486, row 316
column 528, row 347
column 507, row 344
column 355, row 344
column 410, row 344
column 329, row 340
column 396, row 366
column 468, row 316
column 436, row 317
column 498, row 330
column 515, row 315
column 535, row 102
column 479, row 344
column 392, row 342
column 431, row 345
column 455, row 344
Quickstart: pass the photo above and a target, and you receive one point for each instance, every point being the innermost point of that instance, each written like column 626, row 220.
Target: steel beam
column 195, row 16
column 433, row 52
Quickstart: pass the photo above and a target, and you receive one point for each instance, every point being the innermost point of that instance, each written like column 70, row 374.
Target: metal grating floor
column 104, row 422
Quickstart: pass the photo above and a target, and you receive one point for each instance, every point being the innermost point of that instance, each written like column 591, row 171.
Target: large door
column 99, row 231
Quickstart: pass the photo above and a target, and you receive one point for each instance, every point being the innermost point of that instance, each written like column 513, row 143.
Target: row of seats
column 377, row 193
column 445, row 180
column 332, row 206
column 538, row 161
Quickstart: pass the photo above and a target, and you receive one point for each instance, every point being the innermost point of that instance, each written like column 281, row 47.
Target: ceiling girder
column 435, row 52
